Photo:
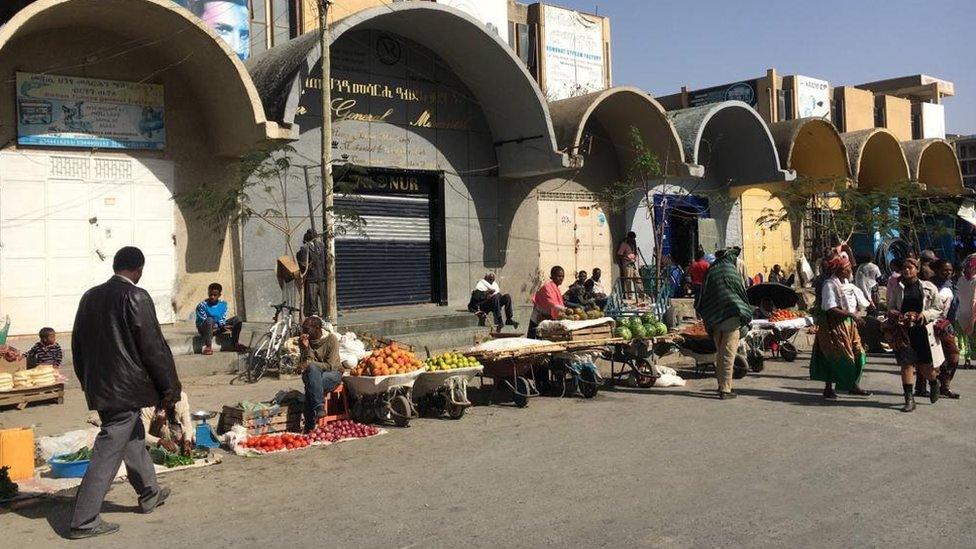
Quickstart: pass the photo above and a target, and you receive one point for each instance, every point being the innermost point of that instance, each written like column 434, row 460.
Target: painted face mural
column 229, row 19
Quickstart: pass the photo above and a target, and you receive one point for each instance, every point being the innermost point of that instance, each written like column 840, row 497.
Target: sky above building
column 661, row 46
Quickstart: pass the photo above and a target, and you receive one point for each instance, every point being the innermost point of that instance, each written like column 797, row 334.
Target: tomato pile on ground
column 276, row 442
column 784, row 314
column 341, row 430
column 387, row 361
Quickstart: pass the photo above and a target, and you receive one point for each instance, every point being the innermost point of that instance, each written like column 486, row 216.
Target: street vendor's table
column 22, row 397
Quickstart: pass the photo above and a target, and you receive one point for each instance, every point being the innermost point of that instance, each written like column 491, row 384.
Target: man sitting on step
column 487, row 297
column 212, row 319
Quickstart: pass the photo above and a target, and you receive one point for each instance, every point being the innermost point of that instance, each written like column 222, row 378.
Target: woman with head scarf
column 838, row 356
column 966, row 293
column 913, row 304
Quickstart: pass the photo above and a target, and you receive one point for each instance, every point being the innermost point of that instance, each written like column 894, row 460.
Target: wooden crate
column 602, row 331
column 22, row 397
column 273, row 420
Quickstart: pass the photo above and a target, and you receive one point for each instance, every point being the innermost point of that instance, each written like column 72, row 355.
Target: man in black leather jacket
column 123, row 364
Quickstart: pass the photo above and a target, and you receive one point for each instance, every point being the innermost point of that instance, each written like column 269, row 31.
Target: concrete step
column 399, row 326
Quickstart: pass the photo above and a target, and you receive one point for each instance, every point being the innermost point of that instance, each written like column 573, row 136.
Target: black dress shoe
column 101, row 529
column 949, row 394
column 727, row 396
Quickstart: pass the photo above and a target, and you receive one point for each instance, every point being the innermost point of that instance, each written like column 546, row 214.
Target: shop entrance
column 574, row 234
column 62, row 218
column 399, row 256
column 680, row 218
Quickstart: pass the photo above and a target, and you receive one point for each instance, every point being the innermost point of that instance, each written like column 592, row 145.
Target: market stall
column 510, row 364
column 443, row 386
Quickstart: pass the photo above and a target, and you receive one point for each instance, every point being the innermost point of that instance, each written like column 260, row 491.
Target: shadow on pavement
column 811, row 397
column 57, row 511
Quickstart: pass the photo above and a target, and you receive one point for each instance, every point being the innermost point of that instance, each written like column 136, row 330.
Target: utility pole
column 328, row 222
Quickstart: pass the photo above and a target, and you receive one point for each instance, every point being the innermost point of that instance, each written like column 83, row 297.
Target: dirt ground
column 660, row 467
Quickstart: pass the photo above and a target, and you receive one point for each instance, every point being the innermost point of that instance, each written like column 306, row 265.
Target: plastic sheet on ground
column 239, row 450
column 431, row 381
column 374, row 385
column 66, row 443
column 510, row 344
column 570, row 325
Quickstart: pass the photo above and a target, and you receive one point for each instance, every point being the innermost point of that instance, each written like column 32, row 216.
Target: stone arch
column 933, row 163
column 513, row 104
column 731, row 142
column 617, row 110
column 877, row 160
column 235, row 119
column 813, row 148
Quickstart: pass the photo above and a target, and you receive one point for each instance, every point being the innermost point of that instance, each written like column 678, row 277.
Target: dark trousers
column 208, row 327
column 495, row 304
column 317, row 383
column 313, row 298
column 122, row 439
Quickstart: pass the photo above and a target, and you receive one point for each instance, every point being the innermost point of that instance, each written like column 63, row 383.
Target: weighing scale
column 206, row 437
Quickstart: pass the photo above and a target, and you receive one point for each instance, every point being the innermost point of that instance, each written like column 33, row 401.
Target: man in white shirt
column 487, row 297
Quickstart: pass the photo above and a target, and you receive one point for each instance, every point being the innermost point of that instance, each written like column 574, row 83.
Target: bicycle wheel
column 258, row 360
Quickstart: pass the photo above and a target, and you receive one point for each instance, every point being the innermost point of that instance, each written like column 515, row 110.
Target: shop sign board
column 575, row 63
column 228, row 19
column 812, row 97
column 933, row 121
column 68, row 111
column 744, row 91
column 493, row 14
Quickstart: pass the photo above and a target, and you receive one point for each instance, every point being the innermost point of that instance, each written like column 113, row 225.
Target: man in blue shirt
column 212, row 319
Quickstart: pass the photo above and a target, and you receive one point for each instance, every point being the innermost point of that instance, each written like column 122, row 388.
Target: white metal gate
column 574, row 234
column 62, row 218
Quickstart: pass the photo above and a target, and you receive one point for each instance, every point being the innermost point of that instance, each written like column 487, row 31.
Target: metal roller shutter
column 391, row 263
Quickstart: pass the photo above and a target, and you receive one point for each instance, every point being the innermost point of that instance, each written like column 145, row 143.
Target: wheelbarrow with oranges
column 379, row 399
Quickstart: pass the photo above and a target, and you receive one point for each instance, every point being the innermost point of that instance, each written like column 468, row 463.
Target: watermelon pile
column 639, row 327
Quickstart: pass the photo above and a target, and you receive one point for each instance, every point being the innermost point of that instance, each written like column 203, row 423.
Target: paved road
column 666, row 467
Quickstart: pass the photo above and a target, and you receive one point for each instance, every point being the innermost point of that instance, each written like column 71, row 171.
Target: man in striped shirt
column 45, row 351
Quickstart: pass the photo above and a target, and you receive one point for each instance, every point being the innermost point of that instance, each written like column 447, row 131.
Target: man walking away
column 313, row 272
column 123, row 364
column 726, row 313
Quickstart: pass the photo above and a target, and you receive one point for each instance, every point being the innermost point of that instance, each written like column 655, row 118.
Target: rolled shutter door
column 389, row 262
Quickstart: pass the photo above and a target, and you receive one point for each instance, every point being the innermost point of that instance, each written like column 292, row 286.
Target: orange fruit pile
column 784, row 314
column 387, row 361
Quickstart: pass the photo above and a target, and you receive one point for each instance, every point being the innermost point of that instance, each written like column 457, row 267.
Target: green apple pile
column 450, row 361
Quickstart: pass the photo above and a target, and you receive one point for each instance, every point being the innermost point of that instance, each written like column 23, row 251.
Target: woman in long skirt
column 838, row 356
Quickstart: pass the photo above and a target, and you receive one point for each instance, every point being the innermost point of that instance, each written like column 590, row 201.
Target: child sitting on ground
column 45, row 351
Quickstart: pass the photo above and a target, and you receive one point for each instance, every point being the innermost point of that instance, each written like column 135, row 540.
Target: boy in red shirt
column 697, row 272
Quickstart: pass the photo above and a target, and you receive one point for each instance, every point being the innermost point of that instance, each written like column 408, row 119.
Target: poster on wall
column 574, row 60
column 492, row 13
column 812, row 97
column 740, row 91
column 933, row 121
column 229, row 19
column 67, row 111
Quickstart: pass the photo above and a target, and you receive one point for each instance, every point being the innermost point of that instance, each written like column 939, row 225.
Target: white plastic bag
column 351, row 350
column 669, row 380
column 806, row 271
column 69, row 442
column 233, row 438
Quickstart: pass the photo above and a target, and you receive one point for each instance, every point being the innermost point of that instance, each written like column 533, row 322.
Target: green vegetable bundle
column 81, row 455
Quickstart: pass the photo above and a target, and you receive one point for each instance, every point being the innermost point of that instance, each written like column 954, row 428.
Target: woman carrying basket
column 838, row 356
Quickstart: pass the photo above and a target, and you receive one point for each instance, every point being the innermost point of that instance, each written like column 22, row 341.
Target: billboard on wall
column 573, row 47
column 933, row 121
column 740, row 91
column 229, row 19
column 67, row 111
column 492, row 13
column 812, row 97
